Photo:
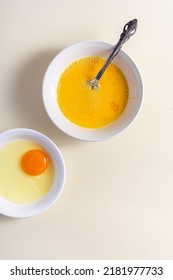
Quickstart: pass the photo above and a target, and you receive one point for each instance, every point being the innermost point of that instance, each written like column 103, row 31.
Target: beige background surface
column 117, row 201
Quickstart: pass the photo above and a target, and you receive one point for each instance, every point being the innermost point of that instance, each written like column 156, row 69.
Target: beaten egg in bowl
column 73, row 124
column 90, row 108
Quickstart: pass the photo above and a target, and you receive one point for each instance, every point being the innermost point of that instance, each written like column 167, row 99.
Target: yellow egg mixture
column 20, row 162
column 87, row 107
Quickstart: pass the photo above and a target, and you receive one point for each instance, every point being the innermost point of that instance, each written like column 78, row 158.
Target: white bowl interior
column 75, row 52
column 26, row 210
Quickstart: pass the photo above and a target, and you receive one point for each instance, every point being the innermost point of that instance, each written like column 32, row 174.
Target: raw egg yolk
column 34, row 162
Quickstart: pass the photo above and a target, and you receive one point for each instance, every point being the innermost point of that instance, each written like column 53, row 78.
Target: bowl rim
column 71, row 133
column 15, row 210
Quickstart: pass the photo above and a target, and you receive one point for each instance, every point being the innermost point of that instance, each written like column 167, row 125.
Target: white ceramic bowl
column 27, row 210
column 75, row 52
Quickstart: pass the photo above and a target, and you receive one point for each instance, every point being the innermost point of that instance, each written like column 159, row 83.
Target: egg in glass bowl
column 32, row 172
column 84, row 113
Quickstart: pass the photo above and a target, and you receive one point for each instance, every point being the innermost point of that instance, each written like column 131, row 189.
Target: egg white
column 15, row 184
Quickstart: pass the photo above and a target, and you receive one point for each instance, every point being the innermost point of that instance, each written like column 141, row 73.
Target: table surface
column 117, row 201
